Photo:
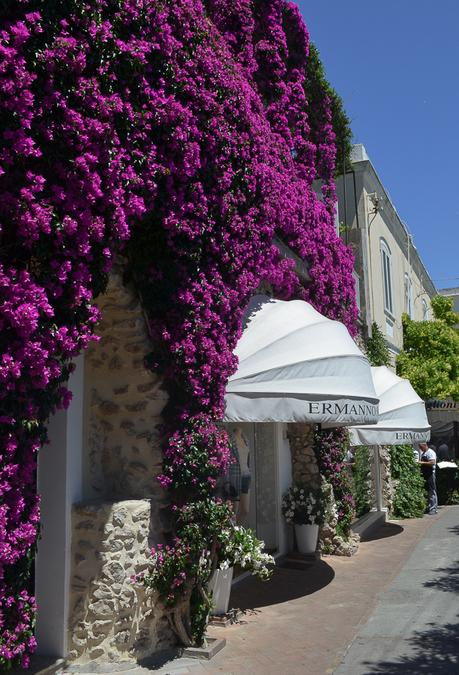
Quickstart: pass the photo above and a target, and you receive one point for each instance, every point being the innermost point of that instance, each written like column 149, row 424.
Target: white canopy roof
column 402, row 414
column 295, row 365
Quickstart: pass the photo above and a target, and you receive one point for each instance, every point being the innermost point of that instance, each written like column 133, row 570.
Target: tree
column 376, row 347
column 430, row 358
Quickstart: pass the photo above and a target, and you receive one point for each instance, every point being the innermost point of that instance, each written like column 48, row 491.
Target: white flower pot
column 220, row 585
column 306, row 537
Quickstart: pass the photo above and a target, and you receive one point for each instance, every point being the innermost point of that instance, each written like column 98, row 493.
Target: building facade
column 390, row 276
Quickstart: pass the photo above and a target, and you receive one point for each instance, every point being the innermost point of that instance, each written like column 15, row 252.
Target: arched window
column 425, row 310
column 409, row 308
column 387, row 276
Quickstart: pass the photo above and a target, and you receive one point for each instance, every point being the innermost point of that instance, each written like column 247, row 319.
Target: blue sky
column 396, row 65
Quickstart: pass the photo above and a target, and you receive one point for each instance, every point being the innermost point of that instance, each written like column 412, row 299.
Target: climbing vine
column 410, row 493
column 361, row 478
column 331, row 447
column 181, row 133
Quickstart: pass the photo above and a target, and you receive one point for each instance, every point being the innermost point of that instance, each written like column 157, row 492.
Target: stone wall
column 124, row 509
column 304, row 463
column 113, row 618
column 123, row 401
column 305, row 470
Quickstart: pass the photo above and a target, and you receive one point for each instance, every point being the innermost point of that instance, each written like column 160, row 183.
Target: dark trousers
column 432, row 491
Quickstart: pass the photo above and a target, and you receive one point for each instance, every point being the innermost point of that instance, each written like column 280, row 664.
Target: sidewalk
column 302, row 622
column 414, row 628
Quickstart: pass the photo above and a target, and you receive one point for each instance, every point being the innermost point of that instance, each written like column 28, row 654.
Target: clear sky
column 396, row 65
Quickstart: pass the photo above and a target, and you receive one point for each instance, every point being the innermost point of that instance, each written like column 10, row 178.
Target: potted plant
column 303, row 507
column 207, row 542
column 236, row 546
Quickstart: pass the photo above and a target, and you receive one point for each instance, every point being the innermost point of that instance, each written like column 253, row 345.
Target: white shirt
column 429, row 455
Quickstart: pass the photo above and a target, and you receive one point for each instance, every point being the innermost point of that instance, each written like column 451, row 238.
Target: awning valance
column 402, row 414
column 295, row 365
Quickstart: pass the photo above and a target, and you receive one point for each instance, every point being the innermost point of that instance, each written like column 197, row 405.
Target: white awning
column 295, row 365
column 402, row 414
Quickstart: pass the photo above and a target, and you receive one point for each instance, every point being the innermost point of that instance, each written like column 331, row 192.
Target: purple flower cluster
column 183, row 129
column 17, row 640
column 331, row 447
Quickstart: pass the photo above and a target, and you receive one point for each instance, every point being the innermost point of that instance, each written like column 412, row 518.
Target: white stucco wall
column 391, row 323
column 60, row 486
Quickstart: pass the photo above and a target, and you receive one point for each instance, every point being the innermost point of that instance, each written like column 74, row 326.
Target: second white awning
column 295, row 365
column 402, row 414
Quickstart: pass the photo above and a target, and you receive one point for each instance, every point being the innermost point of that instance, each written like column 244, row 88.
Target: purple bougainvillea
column 331, row 446
column 178, row 127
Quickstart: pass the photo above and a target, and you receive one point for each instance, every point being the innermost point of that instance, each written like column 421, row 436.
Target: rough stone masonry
column 124, row 511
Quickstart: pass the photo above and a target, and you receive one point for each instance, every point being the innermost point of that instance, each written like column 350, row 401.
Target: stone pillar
column 304, row 463
column 386, row 480
column 123, row 509
column 306, row 471
column 123, row 402
column 113, row 618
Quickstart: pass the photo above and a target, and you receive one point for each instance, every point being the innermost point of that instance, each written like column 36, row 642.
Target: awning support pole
column 378, row 486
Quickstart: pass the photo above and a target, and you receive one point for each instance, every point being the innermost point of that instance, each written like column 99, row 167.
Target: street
column 390, row 609
column 414, row 628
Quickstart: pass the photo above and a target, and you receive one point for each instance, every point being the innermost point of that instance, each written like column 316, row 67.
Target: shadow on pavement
column 435, row 652
column 38, row 664
column 449, row 582
column 285, row 585
column 386, row 530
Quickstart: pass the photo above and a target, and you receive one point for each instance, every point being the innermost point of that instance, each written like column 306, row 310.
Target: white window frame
column 425, row 310
column 386, row 268
column 409, row 304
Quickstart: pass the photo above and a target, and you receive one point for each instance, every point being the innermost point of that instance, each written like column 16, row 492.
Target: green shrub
column 448, row 486
column 361, row 473
column 410, row 493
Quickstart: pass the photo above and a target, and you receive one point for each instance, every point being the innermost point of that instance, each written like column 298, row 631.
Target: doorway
column 258, row 509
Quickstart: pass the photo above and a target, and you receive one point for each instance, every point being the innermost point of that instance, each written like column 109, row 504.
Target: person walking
column 428, row 461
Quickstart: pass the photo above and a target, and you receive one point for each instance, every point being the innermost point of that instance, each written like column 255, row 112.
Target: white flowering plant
column 303, row 506
column 240, row 546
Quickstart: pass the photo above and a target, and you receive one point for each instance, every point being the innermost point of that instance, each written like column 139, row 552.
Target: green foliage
column 303, row 506
column 376, row 347
column 331, row 447
column 343, row 526
column 443, row 310
column 410, row 498
column 361, row 472
column 206, row 539
column 447, row 486
column 430, row 357
column 317, row 86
